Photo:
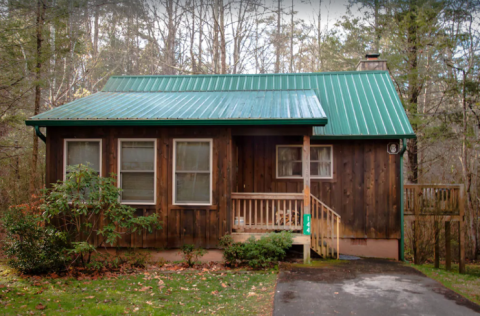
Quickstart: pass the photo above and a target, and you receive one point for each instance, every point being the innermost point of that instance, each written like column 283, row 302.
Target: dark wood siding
column 364, row 189
column 200, row 225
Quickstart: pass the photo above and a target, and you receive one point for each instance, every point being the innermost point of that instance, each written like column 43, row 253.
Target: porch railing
column 432, row 199
column 325, row 229
column 267, row 211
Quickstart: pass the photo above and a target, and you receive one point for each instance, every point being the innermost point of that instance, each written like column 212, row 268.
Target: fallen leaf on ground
column 251, row 294
column 90, row 297
column 149, row 303
column 224, row 285
column 145, row 288
column 215, row 292
column 40, row 307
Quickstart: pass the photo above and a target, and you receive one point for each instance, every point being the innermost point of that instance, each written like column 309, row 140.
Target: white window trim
column 277, row 165
column 174, row 167
column 119, row 158
column 67, row 140
column 301, row 177
column 331, row 165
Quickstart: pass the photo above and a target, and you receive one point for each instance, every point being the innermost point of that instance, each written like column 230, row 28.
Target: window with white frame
column 321, row 161
column 136, row 170
column 192, row 171
column 290, row 161
column 83, row 151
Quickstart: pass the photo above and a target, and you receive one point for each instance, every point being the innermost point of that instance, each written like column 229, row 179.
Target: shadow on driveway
column 364, row 287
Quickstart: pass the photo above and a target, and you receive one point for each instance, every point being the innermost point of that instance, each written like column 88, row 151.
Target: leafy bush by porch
column 73, row 212
column 258, row 254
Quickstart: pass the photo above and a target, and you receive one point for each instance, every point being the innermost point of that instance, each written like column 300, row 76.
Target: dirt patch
column 334, row 271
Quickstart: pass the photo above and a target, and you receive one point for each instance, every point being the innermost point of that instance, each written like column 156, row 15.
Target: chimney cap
column 371, row 56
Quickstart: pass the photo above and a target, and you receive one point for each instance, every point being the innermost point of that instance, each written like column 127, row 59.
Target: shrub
column 192, row 254
column 258, row 254
column 233, row 252
column 84, row 198
column 29, row 246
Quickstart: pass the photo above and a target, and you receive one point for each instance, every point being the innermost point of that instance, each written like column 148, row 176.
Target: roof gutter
column 177, row 122
column 40, row 134
column 402, row 226
column 371, row 136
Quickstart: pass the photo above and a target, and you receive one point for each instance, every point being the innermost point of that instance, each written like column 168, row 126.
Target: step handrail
column 324, row 205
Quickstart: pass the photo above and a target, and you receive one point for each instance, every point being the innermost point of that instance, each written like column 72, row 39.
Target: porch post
column 306, row 191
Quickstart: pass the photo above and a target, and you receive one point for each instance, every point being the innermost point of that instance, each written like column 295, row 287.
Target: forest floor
column 144, row 292
column 467, row 285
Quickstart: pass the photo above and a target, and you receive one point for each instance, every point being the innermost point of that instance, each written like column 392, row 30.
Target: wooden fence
column 437, row 203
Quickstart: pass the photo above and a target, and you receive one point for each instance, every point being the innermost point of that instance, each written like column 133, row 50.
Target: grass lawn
column 146, row 293
column 468, row 284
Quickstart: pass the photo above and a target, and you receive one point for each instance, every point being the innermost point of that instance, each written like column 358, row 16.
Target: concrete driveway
column 365, row 287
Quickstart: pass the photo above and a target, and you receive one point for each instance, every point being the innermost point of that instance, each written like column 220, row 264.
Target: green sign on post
column 307, row 224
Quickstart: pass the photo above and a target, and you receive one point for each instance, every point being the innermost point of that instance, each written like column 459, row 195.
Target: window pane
column 321, row 169
column 289, row 153
column 137, row 156
column 192, row 187
column 138, row 186
column 289, row 169
column 193, row 156
column 83, row 153
column 321, row 153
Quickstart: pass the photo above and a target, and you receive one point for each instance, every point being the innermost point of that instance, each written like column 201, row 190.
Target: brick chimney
column 372, row 63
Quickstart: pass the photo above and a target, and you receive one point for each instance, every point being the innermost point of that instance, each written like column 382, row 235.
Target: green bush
column 233, row 252
column 52, row 233
column 192, row 254
column 30, row 247
column 258, row 254
column 82, row 200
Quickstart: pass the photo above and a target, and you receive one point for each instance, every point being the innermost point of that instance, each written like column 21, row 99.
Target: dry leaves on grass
column 40, row 306
column 145, row 288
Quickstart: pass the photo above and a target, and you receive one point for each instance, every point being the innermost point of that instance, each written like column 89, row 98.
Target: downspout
column 39, row 134
column 402, row 232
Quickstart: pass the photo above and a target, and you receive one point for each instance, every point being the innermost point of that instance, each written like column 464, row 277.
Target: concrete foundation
column 371, row 248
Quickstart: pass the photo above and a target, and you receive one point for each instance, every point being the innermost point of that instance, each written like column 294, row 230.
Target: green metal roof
column 300, row 107
column 359, row 104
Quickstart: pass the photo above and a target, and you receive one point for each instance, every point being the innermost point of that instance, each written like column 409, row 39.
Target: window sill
column 137, row 203
column 192, row 206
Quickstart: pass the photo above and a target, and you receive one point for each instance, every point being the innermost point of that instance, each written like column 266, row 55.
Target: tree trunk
column 215, row 37
column 277, row 39
column 413, row 88
column 192, row 38
column 292, row 30
column 223, row 44
column 41, row 7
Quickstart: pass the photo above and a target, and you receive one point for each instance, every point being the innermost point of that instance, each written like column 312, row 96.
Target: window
column 136, row 171
column 321, row 162
column 82, row 151
column 192, row 171
column 290, row 161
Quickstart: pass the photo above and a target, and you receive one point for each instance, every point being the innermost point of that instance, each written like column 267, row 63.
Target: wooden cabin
column 318, row 154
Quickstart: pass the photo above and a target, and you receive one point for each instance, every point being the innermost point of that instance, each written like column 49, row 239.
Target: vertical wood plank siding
column 364, row 188
column 199, row 225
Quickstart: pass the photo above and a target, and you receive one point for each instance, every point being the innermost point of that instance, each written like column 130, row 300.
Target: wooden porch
column 255, row 214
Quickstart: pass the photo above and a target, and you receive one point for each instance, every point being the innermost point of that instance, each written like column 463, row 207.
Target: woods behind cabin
column 55, row 51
